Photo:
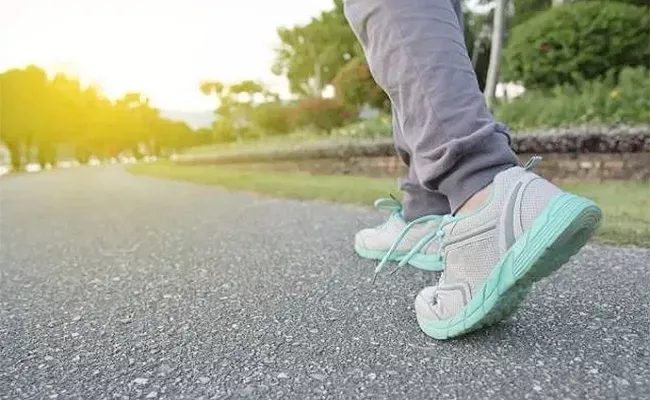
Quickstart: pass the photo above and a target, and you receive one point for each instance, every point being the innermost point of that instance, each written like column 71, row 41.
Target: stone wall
column 584, row 152
column 595, row 166
column 556, row 166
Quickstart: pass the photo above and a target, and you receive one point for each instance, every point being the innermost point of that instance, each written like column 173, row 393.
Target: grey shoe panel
column 534, row 198
column 450, row 240
column 508, row 238
column 471, row 260
column 510, row 228
column 489, row 214
column 517, row 198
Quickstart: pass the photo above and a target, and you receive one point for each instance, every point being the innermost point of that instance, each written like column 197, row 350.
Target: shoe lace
column 388, row 203
column 437, row 234
column 391, row 204
column 532, row 162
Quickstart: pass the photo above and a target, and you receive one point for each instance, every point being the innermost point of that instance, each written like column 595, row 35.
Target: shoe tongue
column 509, row 175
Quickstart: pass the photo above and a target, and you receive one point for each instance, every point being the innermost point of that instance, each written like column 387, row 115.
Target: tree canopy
column 40, row 116
column 311, row 55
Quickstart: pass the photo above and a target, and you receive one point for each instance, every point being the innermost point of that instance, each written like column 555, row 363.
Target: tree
column 245, row 109
column 172, row 136
column 311, row 55
column 356, row 87
column 22, row 113
column 577, row 42
column 478, row 28
column 250, row 89
column 495, row 50
column 45, row 114
column 326, row 51
column 481, row 32
column 320, row 113
column 66, row 106
column 212, row 87
column 526, row 9
column 272, row 118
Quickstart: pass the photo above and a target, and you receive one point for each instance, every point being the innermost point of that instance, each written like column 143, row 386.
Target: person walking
column 470, row 208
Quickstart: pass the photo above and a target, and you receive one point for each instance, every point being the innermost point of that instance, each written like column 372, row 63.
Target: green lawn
column 626, row 205
column 266, row 143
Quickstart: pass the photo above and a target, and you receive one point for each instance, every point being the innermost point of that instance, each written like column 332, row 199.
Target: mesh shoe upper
column 382, row 237
column 474, row 244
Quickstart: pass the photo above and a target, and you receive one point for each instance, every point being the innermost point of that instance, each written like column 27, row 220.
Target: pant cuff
column 420, row 202
column 477, row 169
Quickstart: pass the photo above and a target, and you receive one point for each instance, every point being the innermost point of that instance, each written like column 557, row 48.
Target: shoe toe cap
column 424, row 304
column 360, row 239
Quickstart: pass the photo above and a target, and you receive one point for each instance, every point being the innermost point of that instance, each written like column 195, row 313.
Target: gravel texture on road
column 114, row 286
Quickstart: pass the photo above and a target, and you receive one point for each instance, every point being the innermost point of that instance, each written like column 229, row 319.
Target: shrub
column 577, row 42
column 272, row 118
column 355, row 86
column 380, row 126
column 638, row 3
column 612, row 99
column 223, row 131
column 323, row 114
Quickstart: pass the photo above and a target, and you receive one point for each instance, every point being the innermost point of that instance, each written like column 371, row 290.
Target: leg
column 418, row 201
column 497, row 246
column 416, row 53
column 374, row 243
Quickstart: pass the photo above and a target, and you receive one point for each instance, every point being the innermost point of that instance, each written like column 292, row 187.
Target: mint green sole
column 562, row 229
column 420, row 261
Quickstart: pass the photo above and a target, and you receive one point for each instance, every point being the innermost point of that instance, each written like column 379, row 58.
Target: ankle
column 478, row 200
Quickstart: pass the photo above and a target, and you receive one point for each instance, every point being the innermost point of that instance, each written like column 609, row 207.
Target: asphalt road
column 122, row 287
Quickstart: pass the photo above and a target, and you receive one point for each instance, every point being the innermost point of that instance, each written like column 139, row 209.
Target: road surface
column 122, row 287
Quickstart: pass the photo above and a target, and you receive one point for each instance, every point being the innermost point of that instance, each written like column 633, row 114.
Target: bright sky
column 162, row 48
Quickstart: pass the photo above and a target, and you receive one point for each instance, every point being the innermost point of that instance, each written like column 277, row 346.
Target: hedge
column 577, row 42
column 622, row 98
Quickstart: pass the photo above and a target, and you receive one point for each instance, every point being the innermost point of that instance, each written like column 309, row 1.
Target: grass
column 265, row 143
column 626, row 205
column 626, row 209
column 301, row 186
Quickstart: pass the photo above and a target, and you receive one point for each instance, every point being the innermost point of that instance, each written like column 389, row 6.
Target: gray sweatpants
column 443, row 129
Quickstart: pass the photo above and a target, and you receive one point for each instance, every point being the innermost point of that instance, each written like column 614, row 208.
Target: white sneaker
column 528, row 229
column 398, row 239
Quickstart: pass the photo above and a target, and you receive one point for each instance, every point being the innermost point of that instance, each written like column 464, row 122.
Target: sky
column 162, row 48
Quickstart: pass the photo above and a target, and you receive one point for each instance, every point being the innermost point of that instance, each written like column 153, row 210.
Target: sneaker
column 528, row 229
column 395, row 238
